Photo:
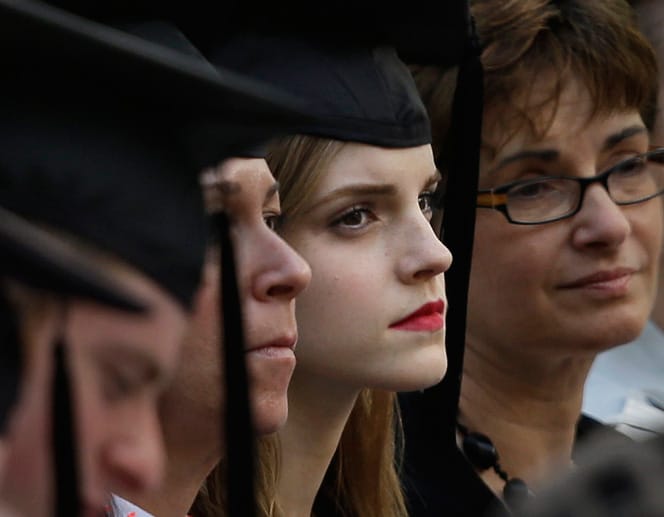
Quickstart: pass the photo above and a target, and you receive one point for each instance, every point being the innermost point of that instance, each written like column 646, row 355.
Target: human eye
column 355, row 218
column 119, row 384
column 272, row 220
column 629, row 168
column 532, row 190
column 425, row 202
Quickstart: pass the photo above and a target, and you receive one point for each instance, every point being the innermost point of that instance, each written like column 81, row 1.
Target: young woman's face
column 373, row 315
column 574, row 286
column 270, row 275
column 119, row 364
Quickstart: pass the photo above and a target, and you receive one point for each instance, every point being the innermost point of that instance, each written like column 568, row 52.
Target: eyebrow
column 544, row 155
column 370, row 189
column 550, row 155
column 358, row 189
column 615, row 139
column 272, row 191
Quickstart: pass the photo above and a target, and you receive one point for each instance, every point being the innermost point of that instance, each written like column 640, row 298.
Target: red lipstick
column 429, row 318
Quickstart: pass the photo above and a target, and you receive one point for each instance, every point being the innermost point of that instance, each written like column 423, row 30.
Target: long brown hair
column 362, row 479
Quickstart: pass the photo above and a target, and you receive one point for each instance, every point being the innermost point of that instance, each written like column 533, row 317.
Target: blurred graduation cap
column 104, row 134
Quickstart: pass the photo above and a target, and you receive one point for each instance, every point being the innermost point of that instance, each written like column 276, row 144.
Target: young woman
column 567, row 237
column 270, row 276
column 357, row 190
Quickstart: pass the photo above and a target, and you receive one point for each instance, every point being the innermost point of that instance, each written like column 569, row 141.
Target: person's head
column 134, row 205
column 356, row 185
column 360, row 215
column 119, row 364
column 570, row 90
column 270, row 276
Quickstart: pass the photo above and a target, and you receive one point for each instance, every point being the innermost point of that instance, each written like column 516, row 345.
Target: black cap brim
column 239, row 110
column 38, row 258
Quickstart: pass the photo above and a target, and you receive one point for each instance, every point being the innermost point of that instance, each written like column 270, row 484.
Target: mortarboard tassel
column 67, row 496
column 238, row 425
column 11, row 360
column 458, row 227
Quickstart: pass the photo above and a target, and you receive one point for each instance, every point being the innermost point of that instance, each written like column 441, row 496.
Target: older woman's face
column 574, row 286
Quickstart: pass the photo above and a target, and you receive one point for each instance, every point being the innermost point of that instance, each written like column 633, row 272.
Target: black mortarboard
column 36, row 257
column 362, row 93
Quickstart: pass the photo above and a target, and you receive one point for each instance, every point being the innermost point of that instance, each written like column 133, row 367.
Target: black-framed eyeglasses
column 552, row 198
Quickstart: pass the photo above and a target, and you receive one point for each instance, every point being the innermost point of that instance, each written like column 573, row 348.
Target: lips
column 276, row 346
column 429, row 317
column 600, row 279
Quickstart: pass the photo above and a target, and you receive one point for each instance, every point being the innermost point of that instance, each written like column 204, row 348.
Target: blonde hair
column 362, row 479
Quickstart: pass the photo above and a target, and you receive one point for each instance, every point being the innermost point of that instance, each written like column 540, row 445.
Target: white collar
column 122, row 508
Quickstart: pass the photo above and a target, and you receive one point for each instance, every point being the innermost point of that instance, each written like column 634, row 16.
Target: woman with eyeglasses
column 567, row 236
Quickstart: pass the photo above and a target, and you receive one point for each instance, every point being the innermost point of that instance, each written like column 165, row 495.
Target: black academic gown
column 453, row 488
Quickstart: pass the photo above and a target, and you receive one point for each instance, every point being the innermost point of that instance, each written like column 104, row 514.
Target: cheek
column 647, row 226
column 510, row 265
column 341, row 290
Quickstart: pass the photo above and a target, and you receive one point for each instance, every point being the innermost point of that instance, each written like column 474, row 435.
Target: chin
column 417, row 376
column 270, row 415
column 622, row 330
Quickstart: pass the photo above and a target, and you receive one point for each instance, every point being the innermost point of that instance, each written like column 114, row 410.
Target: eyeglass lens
column 632, row 181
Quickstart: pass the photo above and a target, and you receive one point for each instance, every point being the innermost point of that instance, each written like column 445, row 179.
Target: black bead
column 479, row 450
column 516, row 492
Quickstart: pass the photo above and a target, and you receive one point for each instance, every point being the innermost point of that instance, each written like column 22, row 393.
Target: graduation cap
column 103, row 136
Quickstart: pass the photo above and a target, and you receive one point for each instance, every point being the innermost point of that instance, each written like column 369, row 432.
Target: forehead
column 239, row 183
column 378, row 164
column 563, row 119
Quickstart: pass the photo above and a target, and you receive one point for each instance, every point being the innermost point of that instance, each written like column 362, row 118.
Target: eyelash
column 272, row 221
column 339, row 221
column 427, row 210
column 429, row 197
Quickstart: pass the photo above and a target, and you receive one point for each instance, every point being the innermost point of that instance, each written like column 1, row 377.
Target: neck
column 527, row 406
column 192, row 455
column 318, row 412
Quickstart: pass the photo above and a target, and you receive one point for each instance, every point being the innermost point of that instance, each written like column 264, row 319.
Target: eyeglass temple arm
column 490, row 200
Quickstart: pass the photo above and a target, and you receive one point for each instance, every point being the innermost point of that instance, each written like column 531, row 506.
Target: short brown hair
column 596, row 42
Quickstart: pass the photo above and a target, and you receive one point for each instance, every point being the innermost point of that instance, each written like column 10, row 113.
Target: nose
column 600, row 223
column 424, row 255
column 283, row 273
column 135, row 459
